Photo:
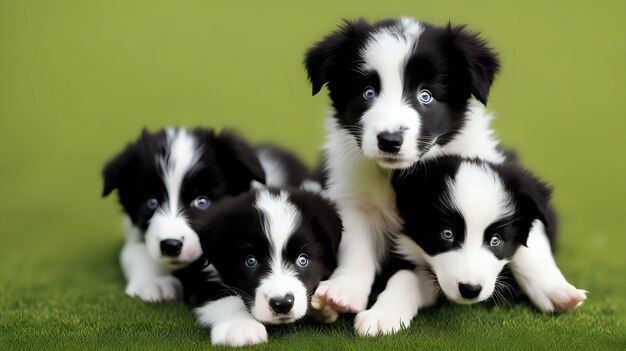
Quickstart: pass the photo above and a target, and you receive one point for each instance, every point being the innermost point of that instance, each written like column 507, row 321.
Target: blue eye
column 152, row 203
column 302, row 260
column 447, row 234
column 495, row 240
column 425, row 96
column 369, row 93
column 201, row 202
column 250, row 261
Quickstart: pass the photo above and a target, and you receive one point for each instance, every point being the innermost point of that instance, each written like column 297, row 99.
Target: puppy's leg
column 405, row 293
column 539, row 277
column 231, row 323
column 349, row 286
column 145, row 278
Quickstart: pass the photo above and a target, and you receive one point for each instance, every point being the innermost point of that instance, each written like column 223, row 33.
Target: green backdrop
column 78, row 79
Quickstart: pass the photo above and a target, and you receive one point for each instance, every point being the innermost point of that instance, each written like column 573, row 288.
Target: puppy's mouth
column 394, row 161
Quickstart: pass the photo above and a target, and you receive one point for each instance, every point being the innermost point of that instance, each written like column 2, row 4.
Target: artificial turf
column 79, row 79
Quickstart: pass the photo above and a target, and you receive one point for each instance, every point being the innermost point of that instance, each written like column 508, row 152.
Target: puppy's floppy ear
column 321, row 59
column 114, row 171
column 324, row 219
column 533, row 199
column 481, row 61
column 239, row 159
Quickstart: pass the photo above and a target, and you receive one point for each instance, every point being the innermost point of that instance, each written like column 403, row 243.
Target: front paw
column 342, row 294
column 381, row 321
column 560, row 298
column 238, row 333
column 158, row 289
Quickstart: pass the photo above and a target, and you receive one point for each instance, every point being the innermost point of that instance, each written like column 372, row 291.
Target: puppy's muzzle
column 469, row 291
column 390, row 142
column 282, row 305
column 171, row 247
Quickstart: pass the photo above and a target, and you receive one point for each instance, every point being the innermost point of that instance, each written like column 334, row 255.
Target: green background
column 78, row 79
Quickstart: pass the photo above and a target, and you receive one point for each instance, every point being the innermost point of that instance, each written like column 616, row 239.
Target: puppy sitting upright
column 465, row 219
column 162, row 179
column 401, row 93
column 270, row 248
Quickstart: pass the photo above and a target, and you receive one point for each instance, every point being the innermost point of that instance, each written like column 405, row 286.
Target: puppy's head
column 466, row 219
column 164, row 178
column 273, row 248
column 399, row 86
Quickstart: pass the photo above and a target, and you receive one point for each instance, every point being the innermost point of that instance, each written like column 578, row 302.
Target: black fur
column 420, row 201
column 233, row 230
column 451, row 62
column 226, row 166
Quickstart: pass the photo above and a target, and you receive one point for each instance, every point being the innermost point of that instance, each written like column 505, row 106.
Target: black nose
column 282, row 305
column 390, row 142
column 469, row 291
column 171, row 247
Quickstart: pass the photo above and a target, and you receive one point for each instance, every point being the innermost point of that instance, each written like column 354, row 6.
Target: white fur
column 480, row 197
column 366, row 203
column 148, row 273
column 539, row 277
column 386, row 53
column 281, row 219
column 477, row 139
column 231, row 323
column 275, row 175
column 145, row 279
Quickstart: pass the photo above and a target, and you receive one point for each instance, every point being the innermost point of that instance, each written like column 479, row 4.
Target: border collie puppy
column 465, row 220
column 166, row 178
column 401, row 92
column 270, row 249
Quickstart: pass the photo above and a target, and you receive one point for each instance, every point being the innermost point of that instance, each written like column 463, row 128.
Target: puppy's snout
column 282, row 305
column 390, row 142
column 469, row 291
column 171, row 247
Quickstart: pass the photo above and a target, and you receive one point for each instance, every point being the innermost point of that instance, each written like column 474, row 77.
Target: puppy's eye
column 495, row 240
column 425, row 96
column 152, row 203
column 369, row 93
column 250, row 261
column 302, row 260
column 201, row 202
column 447, row 234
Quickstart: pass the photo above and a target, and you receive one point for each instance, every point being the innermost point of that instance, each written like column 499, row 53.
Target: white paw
column 343, row 294
column 238, row 333
column 156, row 290
column 381, row 321
column 563, row 297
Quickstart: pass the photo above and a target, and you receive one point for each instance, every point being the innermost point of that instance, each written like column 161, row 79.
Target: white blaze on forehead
column 387, row 52
column 478, row 193
column 281, row 219
column 182, row 154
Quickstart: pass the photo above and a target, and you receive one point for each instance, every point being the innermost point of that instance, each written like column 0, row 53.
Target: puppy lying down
column 268, row 251
column 465, row 220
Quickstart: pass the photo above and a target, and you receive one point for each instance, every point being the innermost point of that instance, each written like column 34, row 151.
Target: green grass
column 78, row 79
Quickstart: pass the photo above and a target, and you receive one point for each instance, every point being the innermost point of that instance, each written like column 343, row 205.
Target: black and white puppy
column 270, row 248
column 166, row 178
column 465, row 219
column 401, row 92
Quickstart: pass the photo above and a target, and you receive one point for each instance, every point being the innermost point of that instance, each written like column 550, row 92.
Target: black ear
column 481, row 61
column 114, row 170
column 239, row 159
column 324, row 219
column 532, row 197
column 321, row 59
